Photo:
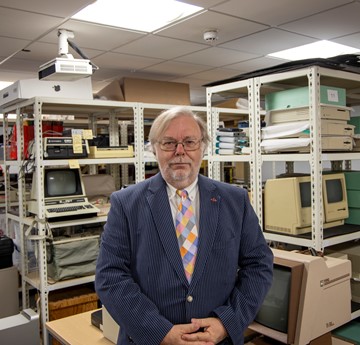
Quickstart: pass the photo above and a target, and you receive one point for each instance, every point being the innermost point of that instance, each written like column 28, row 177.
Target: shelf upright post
column 315, row 158
column 217, row 168
column 93, row 169
column 22, row 207
column 255, row 140
column 40, row 219
column 138, row 117
column 114, row 141
column 210, row 131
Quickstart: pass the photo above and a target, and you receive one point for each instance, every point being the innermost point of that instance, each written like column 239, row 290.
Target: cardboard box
column 71, row 301
column 299, row 97
column 111, row 92
column 147, row 91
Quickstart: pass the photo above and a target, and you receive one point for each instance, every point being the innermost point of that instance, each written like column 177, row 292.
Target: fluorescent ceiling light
column 320, row 49
column 142, row 15
column 4, row 84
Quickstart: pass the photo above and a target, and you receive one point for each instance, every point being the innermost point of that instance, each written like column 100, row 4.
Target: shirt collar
column 192, row 190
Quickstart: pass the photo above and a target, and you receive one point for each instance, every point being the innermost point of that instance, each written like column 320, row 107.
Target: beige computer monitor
column 287, row 203
column 313, row 297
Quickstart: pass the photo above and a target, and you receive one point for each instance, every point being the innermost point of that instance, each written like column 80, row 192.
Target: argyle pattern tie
column 187, row 233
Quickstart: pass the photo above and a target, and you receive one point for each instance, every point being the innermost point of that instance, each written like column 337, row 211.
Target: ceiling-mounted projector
column 65, row 67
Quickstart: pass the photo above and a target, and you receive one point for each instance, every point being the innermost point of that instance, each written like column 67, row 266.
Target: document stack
column 289, row 121
column 230, row 141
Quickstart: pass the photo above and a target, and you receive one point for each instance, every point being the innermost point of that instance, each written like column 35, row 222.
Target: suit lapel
column 209, row 214
column 157, row 198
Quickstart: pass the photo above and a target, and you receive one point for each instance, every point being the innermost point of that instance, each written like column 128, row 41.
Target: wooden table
column 77, row 330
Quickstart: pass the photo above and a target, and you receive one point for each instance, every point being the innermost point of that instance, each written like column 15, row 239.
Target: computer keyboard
column 56, row 213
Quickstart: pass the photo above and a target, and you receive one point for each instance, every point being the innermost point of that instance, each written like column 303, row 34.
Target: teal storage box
column 352, row 180
column 350, row 332
column 353, row 197
column 354, row 216
column 299, row 97
column 355, row 120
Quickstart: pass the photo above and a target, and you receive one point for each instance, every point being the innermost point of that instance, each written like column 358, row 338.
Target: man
column 141, row 277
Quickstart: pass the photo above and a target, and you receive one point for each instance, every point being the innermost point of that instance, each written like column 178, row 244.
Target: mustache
column 179, row 160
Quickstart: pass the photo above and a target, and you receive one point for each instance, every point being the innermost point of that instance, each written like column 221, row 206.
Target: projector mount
column 64, row 44
column 65, row 67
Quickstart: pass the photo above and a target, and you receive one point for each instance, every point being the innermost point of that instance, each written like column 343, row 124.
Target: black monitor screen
column 275, row 309
column 305, row 194
column 62, row 182
column 334, row 190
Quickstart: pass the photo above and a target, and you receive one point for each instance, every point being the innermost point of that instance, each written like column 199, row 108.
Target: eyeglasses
column 188, row 144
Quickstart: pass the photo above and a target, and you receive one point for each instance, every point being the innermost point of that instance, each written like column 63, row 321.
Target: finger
column 202, row 323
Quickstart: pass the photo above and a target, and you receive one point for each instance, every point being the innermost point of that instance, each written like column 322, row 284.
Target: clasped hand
column 208, row 331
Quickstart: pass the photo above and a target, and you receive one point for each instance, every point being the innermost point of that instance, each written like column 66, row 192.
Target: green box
column 352, row 180
column 299, row 97
column 353, row 197
column 354, row 216
column 355, row 120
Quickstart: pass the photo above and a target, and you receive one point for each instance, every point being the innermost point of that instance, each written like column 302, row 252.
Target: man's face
column 180, row 167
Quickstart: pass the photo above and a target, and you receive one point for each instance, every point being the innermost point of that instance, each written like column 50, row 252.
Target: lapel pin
column 213, row 200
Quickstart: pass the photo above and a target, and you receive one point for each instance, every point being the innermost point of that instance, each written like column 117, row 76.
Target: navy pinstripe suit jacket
column 140, row 278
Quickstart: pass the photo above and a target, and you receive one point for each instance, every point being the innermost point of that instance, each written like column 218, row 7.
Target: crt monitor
column 60, row 183
column 287, row 203
column 310, row 296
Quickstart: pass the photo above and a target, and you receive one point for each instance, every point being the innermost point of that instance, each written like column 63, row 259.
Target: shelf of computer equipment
column 341, row 86
column 42, row 213
column 320, row 98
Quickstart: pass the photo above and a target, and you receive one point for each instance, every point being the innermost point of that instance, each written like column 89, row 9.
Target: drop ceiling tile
column 203, row 3
column 175, row 68
column 275, row 12
column 268, row 41
column 160, row 47
column 15, row 75
column 88, row 35
column 124, row 61
column 216, row 57
column 216, row 74
column 350, row 40
column 228, row 28
column 44, row 52
column 25, row 25
column 334, row 23
column 11, row 45
column 27, row 65
column 255, row 64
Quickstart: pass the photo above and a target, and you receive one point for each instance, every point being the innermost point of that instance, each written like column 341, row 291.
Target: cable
column 82, row 54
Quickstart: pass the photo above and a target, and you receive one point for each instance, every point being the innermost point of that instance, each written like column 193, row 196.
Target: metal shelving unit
column 258, row 87
column 35, row 228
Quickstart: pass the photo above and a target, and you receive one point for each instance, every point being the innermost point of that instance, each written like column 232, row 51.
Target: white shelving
column 36, row 229
column 257, row 88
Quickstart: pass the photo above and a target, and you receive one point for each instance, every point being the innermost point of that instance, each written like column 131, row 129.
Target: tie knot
column 182, row 193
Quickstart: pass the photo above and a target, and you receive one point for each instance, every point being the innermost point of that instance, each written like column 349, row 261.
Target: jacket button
column 189, row 298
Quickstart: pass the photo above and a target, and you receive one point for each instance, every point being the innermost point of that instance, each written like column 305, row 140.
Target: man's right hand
column 174, row 337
